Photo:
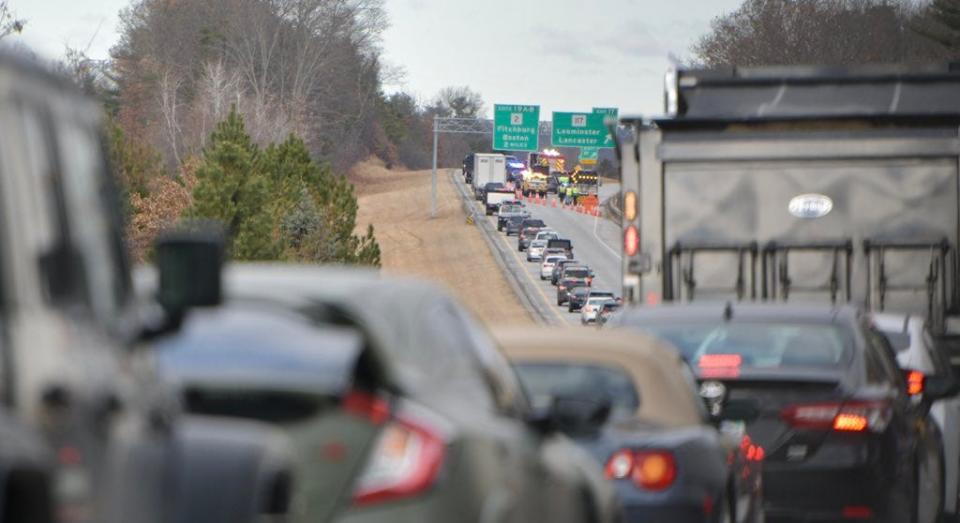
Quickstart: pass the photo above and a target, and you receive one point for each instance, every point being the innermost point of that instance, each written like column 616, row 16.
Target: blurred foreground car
column 444, row 432
column 73, row 386
column 641, row 418
column 841, row 436
column 918, row 353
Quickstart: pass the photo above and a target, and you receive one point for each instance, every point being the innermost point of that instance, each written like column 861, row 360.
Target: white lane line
column 596, row 223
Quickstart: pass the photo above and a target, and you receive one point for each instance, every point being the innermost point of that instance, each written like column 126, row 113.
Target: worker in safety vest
column 573, row 192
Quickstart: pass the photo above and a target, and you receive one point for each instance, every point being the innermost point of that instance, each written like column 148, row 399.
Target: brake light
column 854, row 416
column 366, row 405
column 631, row 241
column 857, row 512
column 405, row 462
column 720, row 365
column 563, row 287
column 915, row 382
column 654, row 470
column 648, row 469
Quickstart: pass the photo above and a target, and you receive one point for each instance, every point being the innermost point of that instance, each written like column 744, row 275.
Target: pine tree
column 945, row 30
column 232, row 189
column 315, row 209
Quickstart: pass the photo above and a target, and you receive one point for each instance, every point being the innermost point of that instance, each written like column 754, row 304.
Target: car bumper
column 821, row 491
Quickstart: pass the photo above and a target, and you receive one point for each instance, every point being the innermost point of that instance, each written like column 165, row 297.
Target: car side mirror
column 189, row 265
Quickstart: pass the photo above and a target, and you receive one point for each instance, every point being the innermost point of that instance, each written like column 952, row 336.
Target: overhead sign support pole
column 446, row 125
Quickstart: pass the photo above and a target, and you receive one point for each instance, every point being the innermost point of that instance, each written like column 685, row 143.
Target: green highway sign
column 612, row 112
column 589, row 154
column 580, row 130
column 611, row 116
column 516, row 127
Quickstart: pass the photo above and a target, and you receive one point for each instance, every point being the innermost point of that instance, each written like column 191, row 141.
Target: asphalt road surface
column 596, row 242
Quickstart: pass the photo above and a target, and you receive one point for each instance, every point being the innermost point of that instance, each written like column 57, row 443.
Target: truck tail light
column 405, row 462
column 852, row 416
column 631, row 241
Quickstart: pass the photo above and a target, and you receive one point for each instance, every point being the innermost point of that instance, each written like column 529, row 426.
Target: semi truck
column 488, row 168
column 833, row 185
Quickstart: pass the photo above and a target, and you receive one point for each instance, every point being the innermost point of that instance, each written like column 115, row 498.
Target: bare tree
column 836, row 32
column 9, row 23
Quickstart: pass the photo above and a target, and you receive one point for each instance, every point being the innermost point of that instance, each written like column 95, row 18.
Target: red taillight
column 854, row 416
column 857, row 512
column 648, row 469
column 915, row 382
column 405, row 462
column 631, row 241
column 720, row 365
column 366, row 405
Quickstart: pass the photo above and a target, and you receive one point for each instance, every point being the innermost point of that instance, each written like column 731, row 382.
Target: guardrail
column 507, row 263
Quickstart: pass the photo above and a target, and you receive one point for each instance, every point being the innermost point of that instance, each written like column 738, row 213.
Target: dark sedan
column 841, row 435
column 576, row 297
column 643, row 421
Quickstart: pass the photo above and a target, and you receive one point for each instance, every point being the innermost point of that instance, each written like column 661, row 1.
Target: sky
column 563, row 55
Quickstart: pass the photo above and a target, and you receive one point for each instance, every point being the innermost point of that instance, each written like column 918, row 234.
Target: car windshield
column 576, row 273
column 538, row 244
column 757, row 345
column 535, row 223
column 553, row 259
column 546, row 235
column 598, row 301
column 545, row 381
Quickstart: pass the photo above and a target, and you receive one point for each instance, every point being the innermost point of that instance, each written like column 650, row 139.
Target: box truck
column 488, row 168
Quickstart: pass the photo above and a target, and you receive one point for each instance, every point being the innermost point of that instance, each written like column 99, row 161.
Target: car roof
column 656, row 369
column 745, row 311
column 388, row 311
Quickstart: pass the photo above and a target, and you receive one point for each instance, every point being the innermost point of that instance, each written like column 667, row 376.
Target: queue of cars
column 554, row 255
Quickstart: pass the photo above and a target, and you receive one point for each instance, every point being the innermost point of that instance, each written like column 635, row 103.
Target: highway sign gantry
column 516, row 127
column 580, row 130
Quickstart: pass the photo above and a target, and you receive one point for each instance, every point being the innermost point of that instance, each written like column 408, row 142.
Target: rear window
column 576, row 273
column 544, row 381
column 758, row 345
column 554, row 259
column 534, row 223
column 899, row 340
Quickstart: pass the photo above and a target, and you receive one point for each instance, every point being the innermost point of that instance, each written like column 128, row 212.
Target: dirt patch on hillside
column 443, row 249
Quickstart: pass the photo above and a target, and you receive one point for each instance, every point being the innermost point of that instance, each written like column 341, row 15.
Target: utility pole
column 433, row 189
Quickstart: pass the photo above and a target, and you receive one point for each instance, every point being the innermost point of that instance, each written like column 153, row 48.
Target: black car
column 840, row 436
column 576, row 297
column 528, row 231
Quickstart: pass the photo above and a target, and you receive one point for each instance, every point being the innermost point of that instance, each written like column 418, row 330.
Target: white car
column 547, row 235
column 591, row 309
column 535, row 251
column 546, row 268
column 916, row 350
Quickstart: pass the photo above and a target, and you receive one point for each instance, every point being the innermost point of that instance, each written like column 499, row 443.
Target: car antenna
column 728, row 312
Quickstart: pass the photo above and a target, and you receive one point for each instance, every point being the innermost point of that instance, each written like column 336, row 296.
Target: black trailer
column 818, row 184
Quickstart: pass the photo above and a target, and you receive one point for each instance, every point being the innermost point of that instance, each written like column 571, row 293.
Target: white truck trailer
column 488, row 168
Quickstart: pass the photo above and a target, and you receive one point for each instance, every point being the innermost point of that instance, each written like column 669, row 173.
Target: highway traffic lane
column 531, row 278
column 596, row 241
